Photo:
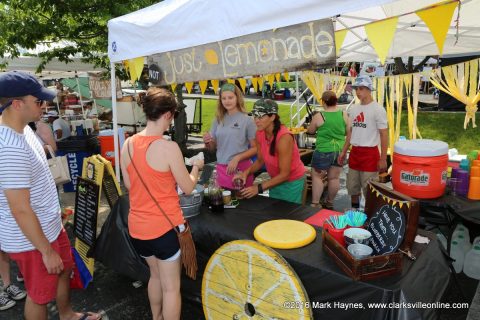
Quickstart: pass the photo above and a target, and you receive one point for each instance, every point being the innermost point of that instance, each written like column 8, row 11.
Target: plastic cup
column 475, row 171
column 453, row 185
column 227, row 197
column 474, row 189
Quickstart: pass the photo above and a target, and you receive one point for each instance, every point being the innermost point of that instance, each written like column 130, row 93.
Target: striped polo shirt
column 23, row 165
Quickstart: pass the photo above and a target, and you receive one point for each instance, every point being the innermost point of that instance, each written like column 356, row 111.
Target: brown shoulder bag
column 187, row 246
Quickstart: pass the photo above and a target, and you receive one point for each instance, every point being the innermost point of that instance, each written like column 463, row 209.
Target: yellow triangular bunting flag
column 380, row 34
column 271, row 79
column 438, row 21
column 174, row 86
column 339, row 38
column 243, row 83
column 255, row 83
column 286, row 75
column 138, row 66
column 260, row 83
column 189, row 86
column 215, row 85
column 203, row 85
column 277, row 77
column 231, row 81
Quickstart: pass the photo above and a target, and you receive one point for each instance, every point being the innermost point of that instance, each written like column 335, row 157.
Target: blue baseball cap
column 363, row 81
column 20, row 84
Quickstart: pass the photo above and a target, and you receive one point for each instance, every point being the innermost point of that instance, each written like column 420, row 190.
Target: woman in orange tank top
column 161, row 167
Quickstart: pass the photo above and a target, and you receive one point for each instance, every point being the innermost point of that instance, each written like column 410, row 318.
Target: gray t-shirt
column 233, row 135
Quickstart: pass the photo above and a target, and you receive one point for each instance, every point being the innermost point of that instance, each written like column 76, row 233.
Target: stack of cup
column 474, row 189
column 463, row 176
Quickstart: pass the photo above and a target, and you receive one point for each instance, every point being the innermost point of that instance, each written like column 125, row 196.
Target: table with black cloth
column 424, row 280
column 449, row 210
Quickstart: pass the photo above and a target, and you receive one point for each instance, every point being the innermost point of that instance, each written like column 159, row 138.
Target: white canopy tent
column 54, row 69
column 412, row 37
column 179, row 24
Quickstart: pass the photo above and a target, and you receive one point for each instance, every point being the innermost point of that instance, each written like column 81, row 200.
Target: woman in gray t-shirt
column 232, row 135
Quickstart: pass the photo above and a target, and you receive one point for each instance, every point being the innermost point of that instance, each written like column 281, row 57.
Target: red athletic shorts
column 42, row 286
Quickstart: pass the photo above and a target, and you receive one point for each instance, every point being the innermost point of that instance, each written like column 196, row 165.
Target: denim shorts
column 324, row 160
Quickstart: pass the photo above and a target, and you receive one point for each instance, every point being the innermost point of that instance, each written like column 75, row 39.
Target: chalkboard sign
column 387, row 227
column 86, row 210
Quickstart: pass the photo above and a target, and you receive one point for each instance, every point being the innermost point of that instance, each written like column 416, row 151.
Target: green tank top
column 331, row 135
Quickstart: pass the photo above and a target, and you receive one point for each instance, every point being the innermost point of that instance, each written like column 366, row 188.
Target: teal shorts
column 290, row 191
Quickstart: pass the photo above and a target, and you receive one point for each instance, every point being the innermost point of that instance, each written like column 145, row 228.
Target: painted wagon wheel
column 247, row 280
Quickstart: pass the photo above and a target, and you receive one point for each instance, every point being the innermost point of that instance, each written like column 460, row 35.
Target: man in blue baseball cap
column 368, row 133
column 32, row 231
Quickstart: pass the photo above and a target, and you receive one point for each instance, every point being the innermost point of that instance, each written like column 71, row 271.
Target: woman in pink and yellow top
column 160, row 165
column 276, row 148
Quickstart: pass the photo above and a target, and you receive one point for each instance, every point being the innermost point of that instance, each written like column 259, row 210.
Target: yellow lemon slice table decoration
column 285, row 234
column 247, row 280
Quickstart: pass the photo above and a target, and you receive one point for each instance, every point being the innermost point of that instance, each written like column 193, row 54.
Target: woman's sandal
column 316, row 205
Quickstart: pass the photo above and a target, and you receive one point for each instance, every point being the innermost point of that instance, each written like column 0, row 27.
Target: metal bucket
column 191, row 203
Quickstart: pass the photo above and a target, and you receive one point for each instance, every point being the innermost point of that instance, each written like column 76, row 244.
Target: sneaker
column 19, row 277
column 15, row 292
column 6, row 302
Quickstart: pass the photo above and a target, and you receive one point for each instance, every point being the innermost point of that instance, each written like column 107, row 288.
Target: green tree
column 79, row 26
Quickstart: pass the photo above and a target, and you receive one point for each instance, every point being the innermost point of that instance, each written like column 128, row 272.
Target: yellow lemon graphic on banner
column 247, row 280
column 211, row 56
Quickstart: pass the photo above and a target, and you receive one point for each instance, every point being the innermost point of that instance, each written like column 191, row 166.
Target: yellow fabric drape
column 315, row 83
column 390, row 112
column 457, row 80
column 399, row 100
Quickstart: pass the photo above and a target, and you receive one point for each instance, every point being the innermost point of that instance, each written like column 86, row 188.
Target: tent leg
column 114, row 120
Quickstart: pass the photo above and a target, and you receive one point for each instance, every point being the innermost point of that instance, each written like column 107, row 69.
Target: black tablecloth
column 424, row 280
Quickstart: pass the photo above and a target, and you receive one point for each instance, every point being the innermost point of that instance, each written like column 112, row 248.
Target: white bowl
column 359, row 251
column 357, row 235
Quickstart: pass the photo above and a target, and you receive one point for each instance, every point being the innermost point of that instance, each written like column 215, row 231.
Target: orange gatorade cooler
column 420, row 168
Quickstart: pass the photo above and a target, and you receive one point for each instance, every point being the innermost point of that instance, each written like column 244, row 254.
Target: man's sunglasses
column 39, row 103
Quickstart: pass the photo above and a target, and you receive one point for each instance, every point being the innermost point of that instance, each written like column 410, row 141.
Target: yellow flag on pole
column 380, row 34
column 339, row 38
column 438, row 20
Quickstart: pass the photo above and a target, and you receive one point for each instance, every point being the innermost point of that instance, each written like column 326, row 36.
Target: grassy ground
column 448, row 127
column 444, row 126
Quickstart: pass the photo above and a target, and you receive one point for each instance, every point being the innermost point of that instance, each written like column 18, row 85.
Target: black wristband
column 260, row 188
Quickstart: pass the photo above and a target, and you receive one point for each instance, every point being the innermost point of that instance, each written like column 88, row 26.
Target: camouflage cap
column 263, row 107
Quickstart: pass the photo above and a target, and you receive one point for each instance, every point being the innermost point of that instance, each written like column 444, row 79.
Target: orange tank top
column 145, row 220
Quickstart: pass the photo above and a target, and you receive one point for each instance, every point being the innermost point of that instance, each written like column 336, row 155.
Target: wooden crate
column 363, row 269
column 383, row 265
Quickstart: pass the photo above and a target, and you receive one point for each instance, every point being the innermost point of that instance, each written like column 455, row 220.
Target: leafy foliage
column 67, row 28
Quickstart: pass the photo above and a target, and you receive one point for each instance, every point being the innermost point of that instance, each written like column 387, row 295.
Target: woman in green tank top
column 330, row 127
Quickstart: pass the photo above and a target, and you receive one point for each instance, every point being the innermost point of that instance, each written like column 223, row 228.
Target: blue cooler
column 76, row 148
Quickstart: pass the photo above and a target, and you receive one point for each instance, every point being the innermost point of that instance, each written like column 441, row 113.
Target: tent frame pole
column 114, row 120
